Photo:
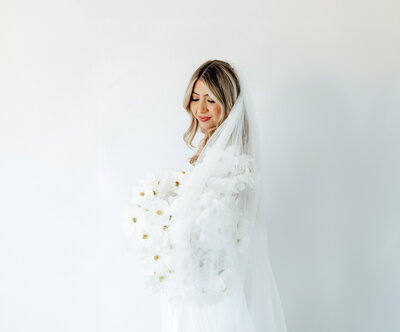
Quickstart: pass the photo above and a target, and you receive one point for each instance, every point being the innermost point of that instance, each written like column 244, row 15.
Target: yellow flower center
column 134, row 219
column 177, row 183
column 155, row 257
column 142, row 193
column 159, row 212
column 165, row 227
column 144, row 236
column 161, row 278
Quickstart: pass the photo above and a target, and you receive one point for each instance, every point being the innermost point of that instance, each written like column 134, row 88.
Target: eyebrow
column 198, row 94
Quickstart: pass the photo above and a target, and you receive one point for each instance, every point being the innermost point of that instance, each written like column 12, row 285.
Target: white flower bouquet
column 191, row 253
column 147, row 222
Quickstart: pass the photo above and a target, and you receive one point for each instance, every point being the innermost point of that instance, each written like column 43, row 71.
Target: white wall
column 90, row 100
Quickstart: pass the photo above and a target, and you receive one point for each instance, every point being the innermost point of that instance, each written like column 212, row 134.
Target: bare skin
column 204, row 106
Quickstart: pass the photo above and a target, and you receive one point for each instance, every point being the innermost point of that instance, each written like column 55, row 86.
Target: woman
column 222, row 280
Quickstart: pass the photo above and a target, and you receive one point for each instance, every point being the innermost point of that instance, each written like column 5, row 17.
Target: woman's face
column 204, row 107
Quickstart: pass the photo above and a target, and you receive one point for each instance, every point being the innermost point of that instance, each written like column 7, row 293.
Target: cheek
column 216, row 112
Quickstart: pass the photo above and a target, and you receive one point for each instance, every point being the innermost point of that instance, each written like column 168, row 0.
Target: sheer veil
column 224, row 281
column 260, row 288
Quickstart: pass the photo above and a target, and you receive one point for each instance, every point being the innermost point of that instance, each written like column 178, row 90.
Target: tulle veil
column 242, row 295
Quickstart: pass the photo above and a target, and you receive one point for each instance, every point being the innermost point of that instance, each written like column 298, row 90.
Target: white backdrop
column 90, row 100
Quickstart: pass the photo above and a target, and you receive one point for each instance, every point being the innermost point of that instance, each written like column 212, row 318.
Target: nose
column 202, row 107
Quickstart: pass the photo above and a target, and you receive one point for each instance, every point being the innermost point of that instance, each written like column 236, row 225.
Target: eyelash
column 210, row 101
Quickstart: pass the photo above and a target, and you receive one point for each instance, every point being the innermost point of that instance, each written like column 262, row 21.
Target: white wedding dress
column 253, row 305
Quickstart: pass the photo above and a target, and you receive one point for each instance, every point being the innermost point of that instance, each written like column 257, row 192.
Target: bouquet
column 190, row 253
column 147, row 224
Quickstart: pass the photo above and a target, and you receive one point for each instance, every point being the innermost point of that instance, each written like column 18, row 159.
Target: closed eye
column 210, row 101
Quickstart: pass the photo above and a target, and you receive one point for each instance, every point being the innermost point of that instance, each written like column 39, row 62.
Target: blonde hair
column 221, row 79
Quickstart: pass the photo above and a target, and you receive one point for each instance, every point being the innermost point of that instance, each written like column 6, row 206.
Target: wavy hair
column 221, row 79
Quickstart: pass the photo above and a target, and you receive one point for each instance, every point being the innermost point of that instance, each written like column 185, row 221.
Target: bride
column 205, row 244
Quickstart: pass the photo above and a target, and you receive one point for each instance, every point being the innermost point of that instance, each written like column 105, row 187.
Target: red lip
column 204, row 118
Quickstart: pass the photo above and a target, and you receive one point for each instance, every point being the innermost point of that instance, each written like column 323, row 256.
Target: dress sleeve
column 217, row 235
